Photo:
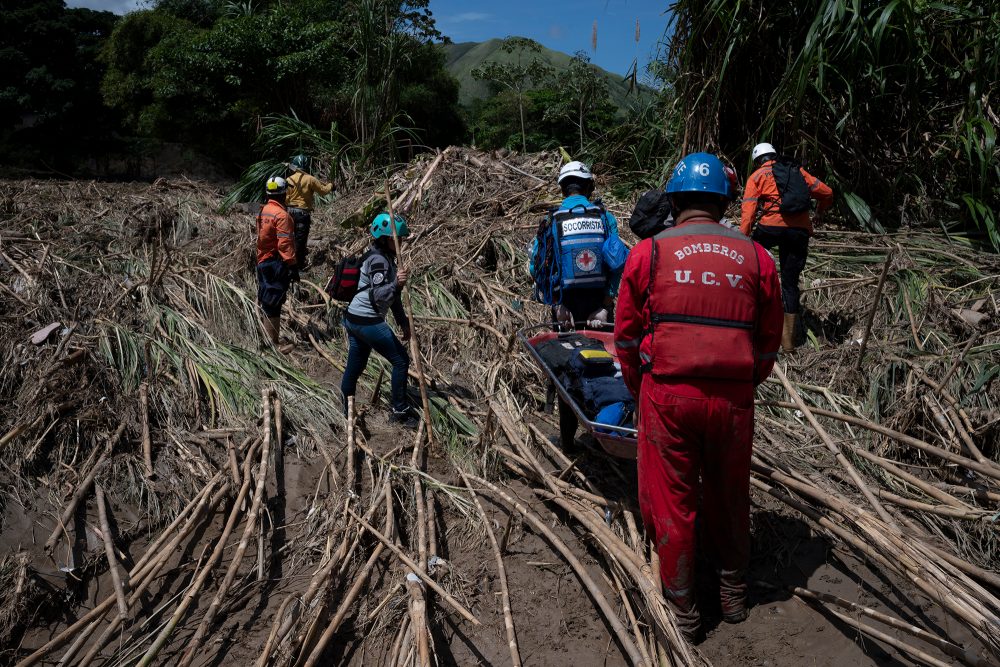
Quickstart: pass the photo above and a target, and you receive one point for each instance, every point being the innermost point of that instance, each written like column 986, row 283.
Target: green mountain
column 464, row 57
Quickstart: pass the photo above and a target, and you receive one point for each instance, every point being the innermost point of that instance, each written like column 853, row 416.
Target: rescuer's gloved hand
column 598, row 318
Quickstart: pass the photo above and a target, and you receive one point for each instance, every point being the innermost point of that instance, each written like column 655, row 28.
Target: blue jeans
column 379, row 337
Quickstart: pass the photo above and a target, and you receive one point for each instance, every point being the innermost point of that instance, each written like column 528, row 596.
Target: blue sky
column 563, row 25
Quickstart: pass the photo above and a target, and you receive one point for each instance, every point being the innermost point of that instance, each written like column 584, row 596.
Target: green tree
column 524, row 71
column 582, row 90
column 51, row 114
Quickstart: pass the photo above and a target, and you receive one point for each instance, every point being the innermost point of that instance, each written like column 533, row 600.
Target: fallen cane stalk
column 220, row 546
column 82, row 490
column 147, row 442
column 947, row 647
column 870, row 320
column 452, row 602
column 109, row 551
column 234, row 566
column 508, row 617
column 623, row 636
column 832, row 446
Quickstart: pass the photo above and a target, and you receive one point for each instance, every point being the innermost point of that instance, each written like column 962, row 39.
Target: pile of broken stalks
column 174, row 492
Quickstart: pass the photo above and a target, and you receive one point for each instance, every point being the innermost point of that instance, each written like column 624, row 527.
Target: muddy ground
column 557, row 622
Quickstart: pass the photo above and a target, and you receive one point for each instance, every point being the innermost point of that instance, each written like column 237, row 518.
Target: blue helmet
column 381, row 227
column 700, row 172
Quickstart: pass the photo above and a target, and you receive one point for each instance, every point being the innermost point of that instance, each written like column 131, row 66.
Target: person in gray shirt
column 379, row 286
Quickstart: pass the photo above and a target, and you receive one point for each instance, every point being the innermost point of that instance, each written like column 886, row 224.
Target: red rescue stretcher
column 619, row 441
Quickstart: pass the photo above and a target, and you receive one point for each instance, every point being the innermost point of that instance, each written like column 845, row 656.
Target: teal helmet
column 300, row 162
column 381, row 227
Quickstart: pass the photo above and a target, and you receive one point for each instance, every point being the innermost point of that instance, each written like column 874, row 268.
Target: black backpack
column 649, row 217
column 343, row 285
column 791, row 185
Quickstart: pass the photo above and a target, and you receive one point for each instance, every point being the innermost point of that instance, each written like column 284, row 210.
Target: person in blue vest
column 577, row 263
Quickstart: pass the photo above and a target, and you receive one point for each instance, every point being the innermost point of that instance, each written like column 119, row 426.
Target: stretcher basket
column 618, row 441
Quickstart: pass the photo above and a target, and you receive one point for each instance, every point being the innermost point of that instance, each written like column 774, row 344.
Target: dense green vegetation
column 51, row 111
column 894, row 103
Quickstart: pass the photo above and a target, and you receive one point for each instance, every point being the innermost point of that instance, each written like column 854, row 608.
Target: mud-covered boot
column 272, row 329
column 788, row 332
column 688, row 619
column 733, row 596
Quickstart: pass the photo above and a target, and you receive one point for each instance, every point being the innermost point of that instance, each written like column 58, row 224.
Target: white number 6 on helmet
column 703, row 169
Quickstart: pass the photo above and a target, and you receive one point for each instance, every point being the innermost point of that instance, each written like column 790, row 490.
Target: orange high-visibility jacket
column 302, row 187
column 762, row 191
column 275, row 233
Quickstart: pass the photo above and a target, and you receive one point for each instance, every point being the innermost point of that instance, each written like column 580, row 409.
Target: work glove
column 564, row 317
column 598, row 318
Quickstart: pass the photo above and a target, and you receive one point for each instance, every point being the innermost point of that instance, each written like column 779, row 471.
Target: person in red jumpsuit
column 697, row 327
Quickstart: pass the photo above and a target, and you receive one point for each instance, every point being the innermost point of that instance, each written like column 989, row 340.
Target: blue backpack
column 575, row 249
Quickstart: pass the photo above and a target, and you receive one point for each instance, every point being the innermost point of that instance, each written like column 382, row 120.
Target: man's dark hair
column 764, row 158
column 577, row 186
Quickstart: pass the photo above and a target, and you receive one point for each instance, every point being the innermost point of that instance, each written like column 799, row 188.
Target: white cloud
column 469, row 17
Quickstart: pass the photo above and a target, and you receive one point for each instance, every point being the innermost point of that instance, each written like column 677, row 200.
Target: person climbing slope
column 380, row 284
column 302, row 190
column 276, row 261
column 779, row 193
column 697, row 328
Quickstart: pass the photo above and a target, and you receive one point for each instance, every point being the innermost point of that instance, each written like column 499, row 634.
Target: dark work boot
column 688, row 619
column 406, row 418
column 733, row 596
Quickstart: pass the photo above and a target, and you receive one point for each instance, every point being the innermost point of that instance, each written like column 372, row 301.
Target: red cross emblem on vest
column 586, row 260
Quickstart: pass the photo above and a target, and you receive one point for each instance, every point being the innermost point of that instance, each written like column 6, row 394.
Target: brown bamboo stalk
column 220, row 546
column 926, row 447
column 958, row 362
column 508, row 616
column 141, row 576
column 870, row 320
column 922, row 656
column 455, row 604
column 912, row 480
column 418, row 363
column 624, row 638
column 213, row 609
column 109, row 551
column 418, row 618
column 831, row 445
column 82, row 490
column 147, row 442
column 946, row 647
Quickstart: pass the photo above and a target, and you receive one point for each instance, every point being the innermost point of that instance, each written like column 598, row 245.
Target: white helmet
column 276, row 185
column 576, row 170
column 761, row 149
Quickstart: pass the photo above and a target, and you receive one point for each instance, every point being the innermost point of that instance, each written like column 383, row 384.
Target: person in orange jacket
column 784, row 222
column 276, row 262
column 697, row 327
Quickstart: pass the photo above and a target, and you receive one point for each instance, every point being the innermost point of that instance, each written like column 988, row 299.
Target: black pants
column 582, row 302
column 303, row 221
column 273, row 278
column 793, row 249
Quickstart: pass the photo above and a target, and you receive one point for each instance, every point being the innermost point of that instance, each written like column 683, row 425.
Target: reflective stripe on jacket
column 762, row 191
column 275, row 233
column 699, row 303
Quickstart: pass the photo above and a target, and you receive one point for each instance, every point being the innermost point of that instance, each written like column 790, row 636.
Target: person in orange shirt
column 276, row 263
column 302, row 188
column 779, row 194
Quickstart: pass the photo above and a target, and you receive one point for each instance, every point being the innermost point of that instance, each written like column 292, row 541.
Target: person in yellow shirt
column 302, row 188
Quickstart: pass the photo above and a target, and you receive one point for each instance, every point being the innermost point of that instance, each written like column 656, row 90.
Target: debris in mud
column 252, row 524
